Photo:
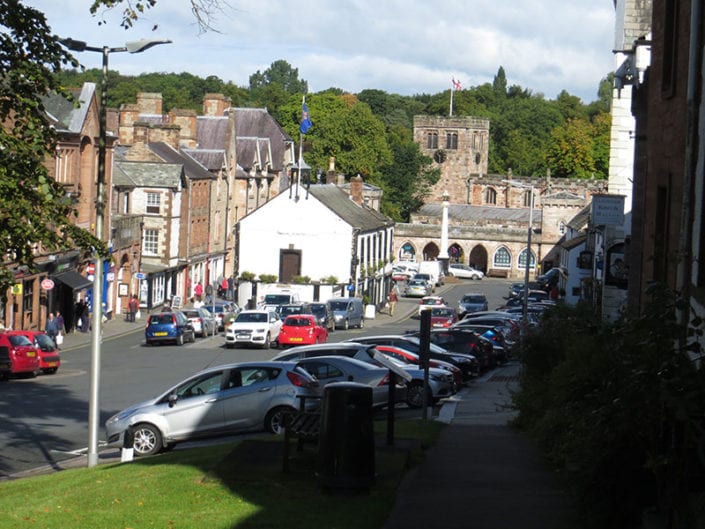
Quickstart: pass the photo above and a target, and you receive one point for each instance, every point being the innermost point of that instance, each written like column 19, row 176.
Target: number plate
column 160, row 334
column 296, row 339
column 52, row 364
column 31, row 354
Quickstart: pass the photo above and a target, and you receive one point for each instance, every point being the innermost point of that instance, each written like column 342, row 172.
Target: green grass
column 237, row 485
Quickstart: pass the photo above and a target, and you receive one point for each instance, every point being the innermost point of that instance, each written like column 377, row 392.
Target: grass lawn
column 217, row 487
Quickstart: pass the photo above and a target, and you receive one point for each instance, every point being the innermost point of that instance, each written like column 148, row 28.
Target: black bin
column 346, row 449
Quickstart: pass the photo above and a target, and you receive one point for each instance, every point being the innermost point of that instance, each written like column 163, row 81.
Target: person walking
column 52, row 327
column 132, row 307
column 393, row 298
column 198, row 290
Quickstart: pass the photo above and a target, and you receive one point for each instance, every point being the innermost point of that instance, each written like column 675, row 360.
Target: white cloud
column 399, row 46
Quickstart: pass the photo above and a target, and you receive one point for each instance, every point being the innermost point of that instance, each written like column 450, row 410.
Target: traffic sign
column 47, row 284
column 140, row 275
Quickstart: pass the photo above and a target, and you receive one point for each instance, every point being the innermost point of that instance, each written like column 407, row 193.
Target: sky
column 404, row 47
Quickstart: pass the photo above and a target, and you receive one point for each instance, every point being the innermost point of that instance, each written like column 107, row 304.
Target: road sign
column 47, row 284
column 140, row 275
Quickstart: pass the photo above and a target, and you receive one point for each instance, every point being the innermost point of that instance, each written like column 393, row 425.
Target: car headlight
column 119, row 417
column 437, row 378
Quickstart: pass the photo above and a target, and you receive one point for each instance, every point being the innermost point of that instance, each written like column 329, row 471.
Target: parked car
column 467, row 363
column 324, row 315
column 515, row 289
column 301, row 329
column 417, row 288
column 22, row 354
column 204, row 323
column 501, row 347
column 217, row 401
column 441, row 382
column 466, row 342
column 443, row 316
column 549, row 279
column 425, row 276
column 223, row 312
column 327, row 369
column 170, row 326
column 347, row 312
column 534, row 296
column 5, row 362
column 49, row 358
column 293, row 308
column 408, row 357
column 428, row 302
column 254, row 327
column 472, row 302
column 464, row 271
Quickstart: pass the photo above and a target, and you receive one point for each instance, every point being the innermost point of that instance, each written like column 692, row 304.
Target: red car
column 443, row 316
column 22, row 354
column 412, row 358
column 300, row 329
column 49, row 359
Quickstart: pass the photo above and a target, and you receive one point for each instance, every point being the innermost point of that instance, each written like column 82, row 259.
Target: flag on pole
column 456, row 84
column 305, row 120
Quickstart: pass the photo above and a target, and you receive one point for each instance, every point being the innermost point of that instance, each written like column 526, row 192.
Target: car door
column 275, row 325
column 249, row 393
column 197, row 409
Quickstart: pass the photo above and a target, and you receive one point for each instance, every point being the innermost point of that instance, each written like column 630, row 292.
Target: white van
column 347, row 312
column 435, row 270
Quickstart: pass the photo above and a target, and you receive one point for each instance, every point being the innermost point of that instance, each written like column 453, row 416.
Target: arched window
column 451, row 140
column 490, row 196
column 432, row 140
column 522, row 260
column 407, row 252
column 502, row 258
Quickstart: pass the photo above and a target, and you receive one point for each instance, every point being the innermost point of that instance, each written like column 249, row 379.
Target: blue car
column 171, row 326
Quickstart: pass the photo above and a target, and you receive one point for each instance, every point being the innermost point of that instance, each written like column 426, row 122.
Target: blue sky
column 400, row 46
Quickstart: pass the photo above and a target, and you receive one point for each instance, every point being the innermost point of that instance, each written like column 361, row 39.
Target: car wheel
column 193, row 337
column 362, row 323
column 414, row 395
column 50, row 371
column 266, row 343
column 147, row 439
column 180, row 339
column 274, row 421
column 346, row 325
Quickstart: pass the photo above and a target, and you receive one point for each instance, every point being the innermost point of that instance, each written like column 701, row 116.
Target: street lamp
column 93, row 408
column 525, row 304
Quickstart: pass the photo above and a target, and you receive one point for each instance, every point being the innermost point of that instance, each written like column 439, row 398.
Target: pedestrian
column 52, row 327
column 224, row 288
column 132, row 307
column 209, row 294
column 393, row 298
column 78, row 313
column 85, row 318
column 198, row 290
column 60, row 323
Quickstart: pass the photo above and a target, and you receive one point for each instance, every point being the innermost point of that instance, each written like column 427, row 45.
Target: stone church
column 488, row 214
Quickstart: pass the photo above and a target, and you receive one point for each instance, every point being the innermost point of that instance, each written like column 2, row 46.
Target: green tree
column 33, row 207
column 570, row 153
column 272, row 88
column 343, row 127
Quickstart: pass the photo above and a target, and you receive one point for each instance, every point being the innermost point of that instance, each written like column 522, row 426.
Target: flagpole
column 301, row 152
column 451, row 99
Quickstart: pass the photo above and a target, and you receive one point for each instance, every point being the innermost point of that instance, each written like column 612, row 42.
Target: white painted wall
column 306, row 225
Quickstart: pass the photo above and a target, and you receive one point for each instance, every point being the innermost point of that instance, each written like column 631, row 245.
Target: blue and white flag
column 305, row 120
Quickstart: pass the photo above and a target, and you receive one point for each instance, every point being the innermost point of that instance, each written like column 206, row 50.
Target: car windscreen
column 251, row 317
column 339, row 305
column 18, row 339
column 163, row 318
column 293, row 321
column 473, row 299
column 277, row 299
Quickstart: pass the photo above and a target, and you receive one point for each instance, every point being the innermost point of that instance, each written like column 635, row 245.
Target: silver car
column 329, row 369
column 217, row 401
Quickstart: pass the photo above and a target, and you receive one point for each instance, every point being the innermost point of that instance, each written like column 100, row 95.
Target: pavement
column 481, row 474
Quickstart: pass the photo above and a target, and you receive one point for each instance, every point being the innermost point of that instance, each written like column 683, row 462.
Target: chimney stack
column 356, row 189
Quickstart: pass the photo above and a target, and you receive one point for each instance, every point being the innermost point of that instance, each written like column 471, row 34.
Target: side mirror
column 172, row 399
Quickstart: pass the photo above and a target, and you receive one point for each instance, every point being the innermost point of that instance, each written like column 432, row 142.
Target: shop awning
column 74, row 280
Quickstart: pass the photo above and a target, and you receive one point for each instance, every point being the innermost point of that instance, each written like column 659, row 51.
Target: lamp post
column 525, row 304
column 443, row 255
column 97, row 319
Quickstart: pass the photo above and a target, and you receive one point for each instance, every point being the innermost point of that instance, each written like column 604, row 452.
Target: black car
column 462, row 341
column 472, row 302
column 324, row 315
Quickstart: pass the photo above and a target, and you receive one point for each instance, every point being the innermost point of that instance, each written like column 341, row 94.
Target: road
column 45, row 419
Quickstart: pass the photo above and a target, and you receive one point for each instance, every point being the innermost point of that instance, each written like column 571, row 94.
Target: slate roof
column 340, row 203
column 480, row 214
column 581, row 219
column 193, row 169
column 211, row 159
column 63, row 114
column 251, row 123
column 574, row 242
column 147, row 174
column 212, row 132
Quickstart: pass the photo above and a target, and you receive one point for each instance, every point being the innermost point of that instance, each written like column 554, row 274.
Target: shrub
column 247, row 276
column 329, row 280
column 618, row 408
column 300, row 280
column 268, row 278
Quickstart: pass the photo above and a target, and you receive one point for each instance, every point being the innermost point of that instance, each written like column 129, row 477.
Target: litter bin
column 346, row 449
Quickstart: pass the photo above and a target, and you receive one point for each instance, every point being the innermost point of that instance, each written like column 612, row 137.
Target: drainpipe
column 684, row 268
